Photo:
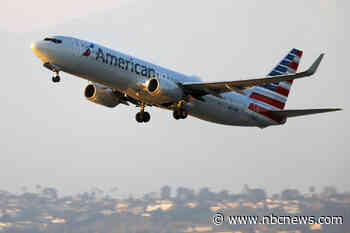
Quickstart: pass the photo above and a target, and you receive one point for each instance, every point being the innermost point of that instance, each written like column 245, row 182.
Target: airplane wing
column 302, row 112
column 215, row 88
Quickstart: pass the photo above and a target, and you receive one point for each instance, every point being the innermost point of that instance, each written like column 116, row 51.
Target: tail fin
column 274, row 96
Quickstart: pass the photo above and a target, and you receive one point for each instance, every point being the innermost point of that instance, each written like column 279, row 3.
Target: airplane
column 117, row 78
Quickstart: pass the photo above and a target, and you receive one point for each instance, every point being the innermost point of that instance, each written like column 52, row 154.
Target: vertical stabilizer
column 274, row 96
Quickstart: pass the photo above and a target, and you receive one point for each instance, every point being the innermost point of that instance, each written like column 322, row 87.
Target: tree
column 223, row 195
column 329, row 191
column 312, row 189
column 256, row 195
column 114, row 189
column 51, row 193
column 150, row 196
column 276, row 196
column 97, row 191
column 290, row 194
column 185, row 194
column 165, row 192
column 87, row 196
column 38, row 188
column 206, row 195
column 245, row 189
column 4, row 193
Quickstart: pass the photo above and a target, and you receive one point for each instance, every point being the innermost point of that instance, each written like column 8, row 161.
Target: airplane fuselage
column 128, row 75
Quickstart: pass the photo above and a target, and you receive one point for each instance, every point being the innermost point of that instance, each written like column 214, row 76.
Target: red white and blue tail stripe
column 273, row 96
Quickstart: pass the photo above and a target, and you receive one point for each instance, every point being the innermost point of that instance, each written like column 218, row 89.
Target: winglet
column 314, row 66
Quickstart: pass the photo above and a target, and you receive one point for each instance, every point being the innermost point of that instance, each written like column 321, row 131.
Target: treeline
column 181, row 194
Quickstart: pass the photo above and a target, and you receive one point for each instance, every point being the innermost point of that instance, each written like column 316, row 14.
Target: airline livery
column 117, row 78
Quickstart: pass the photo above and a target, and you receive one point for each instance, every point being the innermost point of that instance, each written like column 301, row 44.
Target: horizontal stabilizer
column 302, row 112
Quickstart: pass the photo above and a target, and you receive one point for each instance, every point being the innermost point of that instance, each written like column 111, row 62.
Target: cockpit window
column 56, row 41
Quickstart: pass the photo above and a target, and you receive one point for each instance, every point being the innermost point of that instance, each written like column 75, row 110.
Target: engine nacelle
column 103, row 96
column 164, row 91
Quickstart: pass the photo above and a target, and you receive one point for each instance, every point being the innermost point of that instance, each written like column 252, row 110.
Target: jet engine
column 164, row 90
column 101, row 95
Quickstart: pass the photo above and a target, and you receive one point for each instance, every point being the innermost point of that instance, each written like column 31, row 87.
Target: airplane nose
column 36, row 47
column 40, row 50
column 32, row 46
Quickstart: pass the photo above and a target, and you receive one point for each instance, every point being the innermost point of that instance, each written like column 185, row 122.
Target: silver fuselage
column 129, row 74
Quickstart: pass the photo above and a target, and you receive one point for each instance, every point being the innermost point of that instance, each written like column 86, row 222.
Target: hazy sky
column 25, row 16
column 52, row 136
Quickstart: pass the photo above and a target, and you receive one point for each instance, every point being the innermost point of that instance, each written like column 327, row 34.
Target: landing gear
column 176, row 115
column 54, row 68
column 180, row 112
column 146, row 117
column 56, row 79
column 183, row 114
column 143, row 116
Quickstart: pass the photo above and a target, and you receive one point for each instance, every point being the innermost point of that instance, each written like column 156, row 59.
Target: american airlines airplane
column 117, row 78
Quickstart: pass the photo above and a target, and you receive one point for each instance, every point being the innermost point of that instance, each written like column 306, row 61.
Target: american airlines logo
column 88, row 50
column 123, row 63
